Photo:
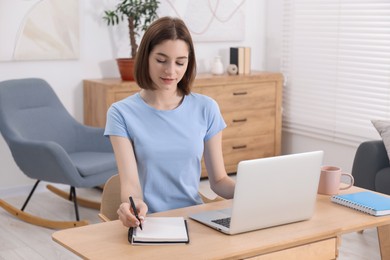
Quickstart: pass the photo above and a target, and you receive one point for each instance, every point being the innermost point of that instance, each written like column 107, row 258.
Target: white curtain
column 336, row 62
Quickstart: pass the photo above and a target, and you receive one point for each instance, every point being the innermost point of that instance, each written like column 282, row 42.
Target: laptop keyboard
column 222, row 221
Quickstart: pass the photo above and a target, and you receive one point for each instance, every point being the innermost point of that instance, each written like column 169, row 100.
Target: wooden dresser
column 250, row 104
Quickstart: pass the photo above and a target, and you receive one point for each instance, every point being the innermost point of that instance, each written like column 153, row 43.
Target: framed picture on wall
column 39, row 30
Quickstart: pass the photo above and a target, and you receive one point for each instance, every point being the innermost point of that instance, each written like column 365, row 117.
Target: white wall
column 97, row 61
column 334, row 154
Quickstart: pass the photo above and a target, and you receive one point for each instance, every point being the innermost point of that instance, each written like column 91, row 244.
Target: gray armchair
column 48, row 144
column 371, row 167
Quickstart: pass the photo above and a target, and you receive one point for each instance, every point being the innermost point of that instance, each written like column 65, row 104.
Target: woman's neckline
column 164, row 107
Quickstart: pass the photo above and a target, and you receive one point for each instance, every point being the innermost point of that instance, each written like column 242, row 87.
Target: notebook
column 160, row 230
column 365, row 201
column 269, row 192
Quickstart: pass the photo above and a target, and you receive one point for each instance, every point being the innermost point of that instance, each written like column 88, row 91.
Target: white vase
column 217, row 68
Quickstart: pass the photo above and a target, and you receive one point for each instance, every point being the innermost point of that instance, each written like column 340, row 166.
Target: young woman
column 160, row 134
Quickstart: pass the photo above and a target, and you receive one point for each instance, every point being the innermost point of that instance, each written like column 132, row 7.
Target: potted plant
column 139, row 15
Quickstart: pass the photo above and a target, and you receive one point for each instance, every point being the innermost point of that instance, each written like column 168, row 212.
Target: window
column 336, row 61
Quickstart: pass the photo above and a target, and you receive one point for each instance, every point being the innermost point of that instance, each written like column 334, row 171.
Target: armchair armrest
column 44, row 160
column 370, row 157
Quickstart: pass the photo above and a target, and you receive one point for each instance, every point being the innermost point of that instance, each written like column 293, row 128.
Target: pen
column 135, row 211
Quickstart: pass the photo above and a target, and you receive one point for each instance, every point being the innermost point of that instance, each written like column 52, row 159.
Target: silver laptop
column 269, row 192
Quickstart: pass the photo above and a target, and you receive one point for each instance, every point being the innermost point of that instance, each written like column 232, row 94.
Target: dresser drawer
column 246, row 148
column 239, row 97
column 246, row 123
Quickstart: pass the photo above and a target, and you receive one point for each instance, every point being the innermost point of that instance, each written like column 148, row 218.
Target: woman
column 160, row 134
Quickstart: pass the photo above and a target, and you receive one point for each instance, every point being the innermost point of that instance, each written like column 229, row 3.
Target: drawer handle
column 240, row 120
column 240, row 93
column 239, row 147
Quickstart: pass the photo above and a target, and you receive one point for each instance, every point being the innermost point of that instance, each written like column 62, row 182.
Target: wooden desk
column 312, row 239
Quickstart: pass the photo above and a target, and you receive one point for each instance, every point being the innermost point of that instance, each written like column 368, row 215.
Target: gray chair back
column 30, row 110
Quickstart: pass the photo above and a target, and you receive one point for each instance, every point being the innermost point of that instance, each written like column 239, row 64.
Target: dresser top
column 208, row 79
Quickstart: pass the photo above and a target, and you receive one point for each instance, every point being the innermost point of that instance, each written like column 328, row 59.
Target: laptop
column 269, row 192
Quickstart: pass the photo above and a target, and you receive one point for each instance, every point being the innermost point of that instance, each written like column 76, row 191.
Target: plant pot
column 126, row 68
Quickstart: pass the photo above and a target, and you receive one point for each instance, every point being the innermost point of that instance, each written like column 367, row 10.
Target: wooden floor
column 19, row 240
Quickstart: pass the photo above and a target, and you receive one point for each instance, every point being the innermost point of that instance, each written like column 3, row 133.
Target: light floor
column 19, row 240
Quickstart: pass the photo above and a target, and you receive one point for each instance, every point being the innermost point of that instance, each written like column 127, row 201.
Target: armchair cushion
column 91, row 163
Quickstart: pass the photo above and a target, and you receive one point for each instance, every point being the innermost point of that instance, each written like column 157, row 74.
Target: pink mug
column 330, row 180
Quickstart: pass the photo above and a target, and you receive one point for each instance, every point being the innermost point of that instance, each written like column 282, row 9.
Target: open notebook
column 160, row 230
column 269, row 192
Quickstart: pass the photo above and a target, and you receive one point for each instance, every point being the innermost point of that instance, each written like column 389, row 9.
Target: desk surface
column 109, row 240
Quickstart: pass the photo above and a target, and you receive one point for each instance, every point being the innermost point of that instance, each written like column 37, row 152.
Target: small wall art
column 209, row 20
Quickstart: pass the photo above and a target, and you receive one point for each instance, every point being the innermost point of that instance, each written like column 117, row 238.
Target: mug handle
column 352, row 180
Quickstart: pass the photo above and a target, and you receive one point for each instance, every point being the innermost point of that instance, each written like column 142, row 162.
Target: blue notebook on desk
column 365, row 201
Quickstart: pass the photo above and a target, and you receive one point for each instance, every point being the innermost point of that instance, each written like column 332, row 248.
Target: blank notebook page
column 162, row 229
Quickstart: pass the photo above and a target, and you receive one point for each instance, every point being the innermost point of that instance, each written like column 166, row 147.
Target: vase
column 217, row 68
column 126, row 68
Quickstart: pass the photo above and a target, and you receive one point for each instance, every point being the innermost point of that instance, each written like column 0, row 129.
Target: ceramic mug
column 330, row 180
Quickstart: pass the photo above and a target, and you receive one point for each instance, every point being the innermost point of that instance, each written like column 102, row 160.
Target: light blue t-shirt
column 168, row 145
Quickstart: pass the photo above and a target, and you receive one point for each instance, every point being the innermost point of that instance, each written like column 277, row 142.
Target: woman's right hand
column 127, row 216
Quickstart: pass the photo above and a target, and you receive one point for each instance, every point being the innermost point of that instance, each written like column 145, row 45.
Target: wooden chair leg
column 40, row 221
column 80, row 201
column 338, row 244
